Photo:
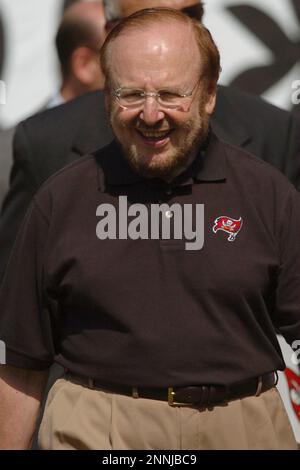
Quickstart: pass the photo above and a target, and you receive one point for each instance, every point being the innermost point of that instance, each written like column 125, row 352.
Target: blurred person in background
column 78, row 41
column 60, row 137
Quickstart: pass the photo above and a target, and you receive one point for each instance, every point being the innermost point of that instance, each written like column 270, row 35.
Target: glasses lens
column 170, row 99
column 131, row 98
column 134, row 98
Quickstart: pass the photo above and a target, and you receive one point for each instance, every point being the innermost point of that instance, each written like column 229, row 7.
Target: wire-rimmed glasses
column 134, row 98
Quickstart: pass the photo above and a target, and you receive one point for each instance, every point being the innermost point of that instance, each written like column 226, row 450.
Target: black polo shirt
column 149, row 312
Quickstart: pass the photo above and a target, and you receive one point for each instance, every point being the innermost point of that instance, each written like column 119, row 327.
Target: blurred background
column 259, row 41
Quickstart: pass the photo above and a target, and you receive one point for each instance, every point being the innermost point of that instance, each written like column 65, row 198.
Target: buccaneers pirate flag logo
column 228, row 225
column 293, row 381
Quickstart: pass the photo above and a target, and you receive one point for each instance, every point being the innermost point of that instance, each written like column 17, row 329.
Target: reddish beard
column 174, row 164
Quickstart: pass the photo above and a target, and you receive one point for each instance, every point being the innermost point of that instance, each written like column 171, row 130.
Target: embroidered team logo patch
column 228, row 225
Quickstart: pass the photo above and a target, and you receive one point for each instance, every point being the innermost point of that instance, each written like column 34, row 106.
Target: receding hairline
column 147, row 18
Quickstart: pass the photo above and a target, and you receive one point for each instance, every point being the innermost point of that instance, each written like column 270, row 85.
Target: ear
column 86, row 67
column 211, row 102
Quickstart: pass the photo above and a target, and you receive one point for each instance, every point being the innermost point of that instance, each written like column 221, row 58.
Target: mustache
column 163, row 126
column 159, row 126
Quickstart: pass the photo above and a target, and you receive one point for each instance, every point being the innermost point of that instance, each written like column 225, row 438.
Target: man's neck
column 69, row 94
column 72, row 89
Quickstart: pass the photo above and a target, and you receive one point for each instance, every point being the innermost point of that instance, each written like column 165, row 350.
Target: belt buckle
column 172, row 402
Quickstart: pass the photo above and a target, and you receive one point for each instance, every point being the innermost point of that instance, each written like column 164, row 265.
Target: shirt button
column 169, row 214
column 168, row 191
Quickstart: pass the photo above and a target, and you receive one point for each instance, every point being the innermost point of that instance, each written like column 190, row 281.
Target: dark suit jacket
column 50, row 140
column 6, row 137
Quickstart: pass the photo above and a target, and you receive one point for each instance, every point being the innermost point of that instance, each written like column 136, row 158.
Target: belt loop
column 135, row 392
column 91, row 383
column 259, row 386
column 205, row 395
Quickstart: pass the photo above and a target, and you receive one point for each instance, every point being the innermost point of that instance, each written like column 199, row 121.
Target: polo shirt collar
column 213, row 164
column 114, row 170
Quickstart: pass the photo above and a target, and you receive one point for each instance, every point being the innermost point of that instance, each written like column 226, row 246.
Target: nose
column 151, row 114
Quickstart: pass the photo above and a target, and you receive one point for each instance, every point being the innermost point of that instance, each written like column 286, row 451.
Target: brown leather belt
column 203, row 396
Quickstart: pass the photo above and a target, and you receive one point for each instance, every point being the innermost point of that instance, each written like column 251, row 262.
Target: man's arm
column 21, row 392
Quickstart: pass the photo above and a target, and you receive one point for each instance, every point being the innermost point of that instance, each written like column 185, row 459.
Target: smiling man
column 163, row 347
column 161, row 97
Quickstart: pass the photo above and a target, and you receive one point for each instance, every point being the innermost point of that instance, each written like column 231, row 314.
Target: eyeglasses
column 133, row 98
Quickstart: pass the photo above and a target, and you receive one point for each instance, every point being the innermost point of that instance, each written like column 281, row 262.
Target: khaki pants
column 77, row 417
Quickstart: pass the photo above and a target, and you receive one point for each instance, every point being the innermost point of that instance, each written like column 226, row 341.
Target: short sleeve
column 25, row 324
column 287, row 314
